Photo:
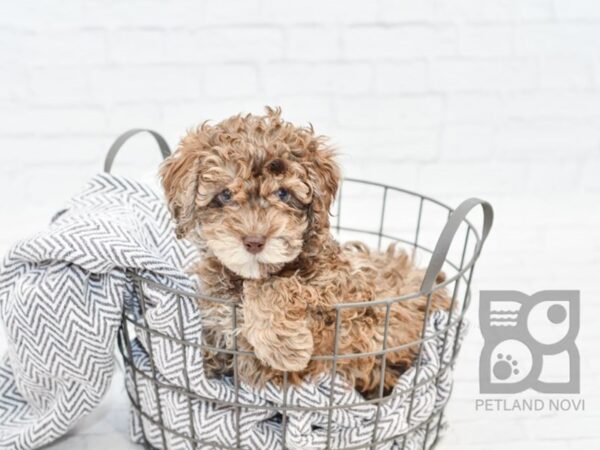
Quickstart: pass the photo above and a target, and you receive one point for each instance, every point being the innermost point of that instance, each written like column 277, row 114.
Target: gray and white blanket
column 63, row 292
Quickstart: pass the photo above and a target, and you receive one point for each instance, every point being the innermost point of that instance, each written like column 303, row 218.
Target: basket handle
column 116, row 146
column 445, row 240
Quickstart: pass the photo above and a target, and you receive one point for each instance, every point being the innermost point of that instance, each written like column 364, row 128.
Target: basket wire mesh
column 458, row 266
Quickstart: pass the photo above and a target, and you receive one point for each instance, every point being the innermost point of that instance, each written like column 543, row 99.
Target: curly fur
column 225, row 183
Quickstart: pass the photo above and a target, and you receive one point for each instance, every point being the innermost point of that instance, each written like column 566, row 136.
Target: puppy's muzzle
column 254, row 244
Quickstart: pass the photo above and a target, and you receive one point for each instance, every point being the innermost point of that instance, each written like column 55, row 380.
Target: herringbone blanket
column 62, row 296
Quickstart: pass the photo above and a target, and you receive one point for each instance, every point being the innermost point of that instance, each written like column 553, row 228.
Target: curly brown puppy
column 254, row 192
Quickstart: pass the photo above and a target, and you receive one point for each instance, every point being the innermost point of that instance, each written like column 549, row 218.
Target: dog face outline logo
column 521, row 333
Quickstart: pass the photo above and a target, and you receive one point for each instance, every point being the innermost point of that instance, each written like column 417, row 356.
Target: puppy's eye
column 224, row 197
column 283, row 194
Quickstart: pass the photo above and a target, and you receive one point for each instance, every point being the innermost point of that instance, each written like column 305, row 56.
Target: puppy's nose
column 254, row 244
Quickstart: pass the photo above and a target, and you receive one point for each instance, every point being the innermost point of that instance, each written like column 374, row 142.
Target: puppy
column 254, row 193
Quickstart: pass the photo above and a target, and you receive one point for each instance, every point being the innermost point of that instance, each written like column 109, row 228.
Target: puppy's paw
column 275, row 323
column 286, row 353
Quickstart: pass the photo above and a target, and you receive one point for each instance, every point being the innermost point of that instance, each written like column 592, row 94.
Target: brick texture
column 498, row 99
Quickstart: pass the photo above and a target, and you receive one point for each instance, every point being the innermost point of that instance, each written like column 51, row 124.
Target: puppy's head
column 254, row 190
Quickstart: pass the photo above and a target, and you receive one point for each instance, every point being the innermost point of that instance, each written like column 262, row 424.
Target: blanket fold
column 63, row 293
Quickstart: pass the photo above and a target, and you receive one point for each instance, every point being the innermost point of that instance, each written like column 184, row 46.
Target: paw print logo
column 524, row 333
column 510, row 362
column 505, row 367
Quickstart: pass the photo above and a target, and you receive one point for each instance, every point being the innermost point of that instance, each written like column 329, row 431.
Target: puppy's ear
column 324, row 174
column 180, row 175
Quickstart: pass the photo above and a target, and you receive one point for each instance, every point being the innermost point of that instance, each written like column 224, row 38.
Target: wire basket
column 377, row 214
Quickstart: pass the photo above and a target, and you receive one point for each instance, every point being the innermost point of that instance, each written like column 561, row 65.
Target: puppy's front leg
column 275, row 322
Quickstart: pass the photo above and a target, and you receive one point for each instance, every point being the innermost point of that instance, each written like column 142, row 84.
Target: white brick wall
column 495, row 98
